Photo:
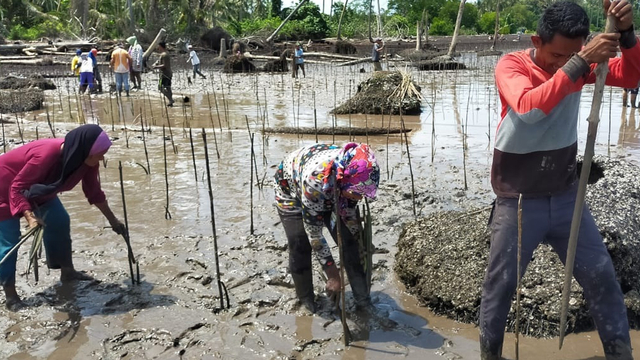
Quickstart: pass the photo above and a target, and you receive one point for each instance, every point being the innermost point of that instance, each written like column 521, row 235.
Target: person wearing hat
column 299, row 60
column 195, row 62
column 307, row 184
column 32, row 177
column 378, row 47
column 76, row 62
column 97, row 79
column 136, row 53
column 121, row 63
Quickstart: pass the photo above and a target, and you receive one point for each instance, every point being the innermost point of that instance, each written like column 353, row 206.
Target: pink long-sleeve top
column 40, row 162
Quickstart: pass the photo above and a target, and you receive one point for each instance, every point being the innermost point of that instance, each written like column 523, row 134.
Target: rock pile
column 442, row 258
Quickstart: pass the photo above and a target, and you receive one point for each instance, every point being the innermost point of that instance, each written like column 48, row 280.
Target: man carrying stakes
column 535, row 156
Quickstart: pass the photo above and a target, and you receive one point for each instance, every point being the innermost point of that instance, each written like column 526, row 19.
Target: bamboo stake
column 609, row 132
column 594, row 118
column 144, row 143
column 167, row 214
column 413, row 187
column 519, row 275
column 19, row 128
column 221, row 285
column 315, row 116
column 125, row 236
column 213, row 128
column 193, row 154
column 69, row 103
column 49, row 122
column 253, row 159
column 343, row 311
column 4, row 141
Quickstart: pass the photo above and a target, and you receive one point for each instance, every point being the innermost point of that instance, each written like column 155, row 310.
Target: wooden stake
column 519, row 274
column 127, row 240
column 594, row 118
column 167, row 214
column 193, row 155
column 213, row 228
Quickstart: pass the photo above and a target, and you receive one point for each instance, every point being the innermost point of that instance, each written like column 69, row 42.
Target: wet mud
column 15, row 101
column 440, row 256
column 174, row 313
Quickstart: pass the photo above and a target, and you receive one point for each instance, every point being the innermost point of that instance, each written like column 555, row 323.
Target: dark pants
column 300, row 253
column 56, row 239
column 165, row 88
column 136, row 79
column 196, row 70
column 548, row 219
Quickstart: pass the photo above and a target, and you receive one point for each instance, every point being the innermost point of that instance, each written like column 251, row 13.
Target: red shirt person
column 32, row 176
column 535, row 157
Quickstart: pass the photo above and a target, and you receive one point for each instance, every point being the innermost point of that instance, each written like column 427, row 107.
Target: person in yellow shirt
column 76, row 62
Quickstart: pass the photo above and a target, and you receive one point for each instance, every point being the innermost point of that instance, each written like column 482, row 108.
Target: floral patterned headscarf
column 356, row 170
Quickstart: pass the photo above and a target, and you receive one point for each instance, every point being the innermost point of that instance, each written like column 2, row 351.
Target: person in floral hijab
column 308, row 182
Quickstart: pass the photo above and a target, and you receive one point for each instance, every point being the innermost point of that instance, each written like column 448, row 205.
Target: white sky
column 327, row 4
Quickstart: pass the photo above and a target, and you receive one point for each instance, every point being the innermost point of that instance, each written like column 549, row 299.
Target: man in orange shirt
column 121, row 63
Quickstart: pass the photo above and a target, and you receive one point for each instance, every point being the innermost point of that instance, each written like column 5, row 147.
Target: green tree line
column 28, row 20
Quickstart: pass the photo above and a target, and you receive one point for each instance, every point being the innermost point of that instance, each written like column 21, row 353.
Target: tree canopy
column 24, row 19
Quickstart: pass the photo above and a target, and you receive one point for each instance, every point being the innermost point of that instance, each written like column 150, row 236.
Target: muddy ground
column 172, row 314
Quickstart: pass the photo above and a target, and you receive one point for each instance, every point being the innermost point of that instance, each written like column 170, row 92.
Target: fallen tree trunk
column 339, row 130
column 354, row 62
column 10, row 47
column 267, row 57
column 332, row 56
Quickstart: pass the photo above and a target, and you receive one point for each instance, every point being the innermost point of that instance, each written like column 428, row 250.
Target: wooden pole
column 594, row 118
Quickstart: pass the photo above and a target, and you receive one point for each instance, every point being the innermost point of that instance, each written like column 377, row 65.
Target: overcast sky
column 327, row 4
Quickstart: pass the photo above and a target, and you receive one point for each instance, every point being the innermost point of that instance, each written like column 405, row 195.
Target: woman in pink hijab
column 32, row 176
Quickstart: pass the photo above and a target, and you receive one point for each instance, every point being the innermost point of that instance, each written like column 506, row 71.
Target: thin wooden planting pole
column 173, row 145
column 4, row 140
column 413, row 186
column 609, row 132
column 53, row 133
column 594, row 118
column 465, row 130
column 519, row 281
column 193, row 155
column 333, row 124
column 213, row 228
column 253, row 159
column 150, row 108
column 315, row 116
column 167, row 214
column 69, row 103
column 350, row 113
column 343, row 302
column 144, row 144
column 127, row 240
column 19, row 128
column 387, row 150
column 213, row 128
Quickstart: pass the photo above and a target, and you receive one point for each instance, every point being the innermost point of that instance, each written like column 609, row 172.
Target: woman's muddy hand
column 333, row 278
column 32, row 219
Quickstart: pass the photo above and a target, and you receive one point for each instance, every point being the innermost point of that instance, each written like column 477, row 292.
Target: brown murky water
column 170, row 315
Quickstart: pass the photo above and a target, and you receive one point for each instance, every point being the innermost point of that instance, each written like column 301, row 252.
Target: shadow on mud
column 392, row 324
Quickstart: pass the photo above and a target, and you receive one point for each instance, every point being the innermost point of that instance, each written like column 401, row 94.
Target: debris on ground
column 384, row 92
column 238, row 64
column 15, row 101
column 32, row 81
column 442, row 258
column 440, row 64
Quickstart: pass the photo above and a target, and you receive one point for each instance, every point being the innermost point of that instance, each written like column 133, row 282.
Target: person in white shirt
column 195, row 62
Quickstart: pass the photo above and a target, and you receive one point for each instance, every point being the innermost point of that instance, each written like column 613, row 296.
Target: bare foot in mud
column 74, row 275
column 15, row 304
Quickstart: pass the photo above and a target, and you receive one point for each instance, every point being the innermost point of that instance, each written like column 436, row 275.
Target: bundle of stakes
column 37, row 233
column 406, row 88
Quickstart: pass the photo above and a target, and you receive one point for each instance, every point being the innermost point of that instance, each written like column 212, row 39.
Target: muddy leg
column 299, row 258
column 9, row 237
